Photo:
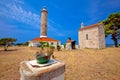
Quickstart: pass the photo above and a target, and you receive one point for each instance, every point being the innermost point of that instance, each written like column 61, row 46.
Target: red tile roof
column 44, row 39
column 91, row 26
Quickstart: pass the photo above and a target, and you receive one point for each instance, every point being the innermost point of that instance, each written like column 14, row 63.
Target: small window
column 51, row 43
column 86, row 36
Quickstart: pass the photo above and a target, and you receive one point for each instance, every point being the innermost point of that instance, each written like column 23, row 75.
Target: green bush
column 58, row 47
column 52, row 47
column 64, row 45
column 44, row 44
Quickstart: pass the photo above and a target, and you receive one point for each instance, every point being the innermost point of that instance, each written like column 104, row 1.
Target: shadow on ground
column 9, row 50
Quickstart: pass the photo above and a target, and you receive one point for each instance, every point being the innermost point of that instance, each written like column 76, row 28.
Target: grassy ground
column 82, row 64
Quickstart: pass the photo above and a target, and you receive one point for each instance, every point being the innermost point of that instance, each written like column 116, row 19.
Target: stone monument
column 31, row 70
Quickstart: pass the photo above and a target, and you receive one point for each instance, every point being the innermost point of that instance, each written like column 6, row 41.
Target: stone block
column 53, row 71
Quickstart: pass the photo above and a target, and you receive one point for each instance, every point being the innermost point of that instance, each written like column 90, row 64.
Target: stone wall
column 101, row 37
column 96, row 37
column 92, row 41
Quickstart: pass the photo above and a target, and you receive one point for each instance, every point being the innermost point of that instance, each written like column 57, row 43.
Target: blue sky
column 20, row 19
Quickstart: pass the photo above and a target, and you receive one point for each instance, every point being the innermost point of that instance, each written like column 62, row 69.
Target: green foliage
column 58, row 47
column 112, row 26
column 112, row 23
column 44, row 44
column 52, row 47
column 19, row 44
column 7, row 42
column 26, row 43
column 22, row 44
column 64, row 45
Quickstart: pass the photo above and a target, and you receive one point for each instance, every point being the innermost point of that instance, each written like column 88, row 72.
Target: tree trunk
column 115, row 40
column 5, row 48
column 116, row 43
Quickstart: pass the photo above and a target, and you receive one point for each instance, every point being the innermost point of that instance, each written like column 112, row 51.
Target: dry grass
column 85, row 64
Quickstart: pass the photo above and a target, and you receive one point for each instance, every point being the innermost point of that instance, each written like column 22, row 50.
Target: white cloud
column 14, row 11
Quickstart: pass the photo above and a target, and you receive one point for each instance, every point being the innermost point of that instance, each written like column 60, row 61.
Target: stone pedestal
column 52, row 71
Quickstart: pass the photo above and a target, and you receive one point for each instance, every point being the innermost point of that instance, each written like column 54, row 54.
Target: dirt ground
column 81, row 64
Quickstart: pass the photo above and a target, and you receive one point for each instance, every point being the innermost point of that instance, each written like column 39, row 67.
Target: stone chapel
column 92, row 36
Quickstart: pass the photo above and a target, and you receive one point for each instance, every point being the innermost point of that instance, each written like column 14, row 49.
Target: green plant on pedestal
column 44, row 54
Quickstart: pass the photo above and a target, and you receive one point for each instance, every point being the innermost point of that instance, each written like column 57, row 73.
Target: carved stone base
column 52, row 72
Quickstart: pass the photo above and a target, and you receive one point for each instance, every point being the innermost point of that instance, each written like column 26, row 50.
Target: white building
column 50, row 41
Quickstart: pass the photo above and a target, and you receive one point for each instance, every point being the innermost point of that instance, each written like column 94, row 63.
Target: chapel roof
column 91, row 26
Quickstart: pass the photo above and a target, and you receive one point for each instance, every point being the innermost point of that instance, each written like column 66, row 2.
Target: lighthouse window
column 86, row 36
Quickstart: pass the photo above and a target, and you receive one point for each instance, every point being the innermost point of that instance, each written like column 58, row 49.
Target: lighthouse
column 43, row 32
column 43, row 26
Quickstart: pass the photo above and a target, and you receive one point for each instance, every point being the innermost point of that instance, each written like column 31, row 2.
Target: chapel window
column 86, row 36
